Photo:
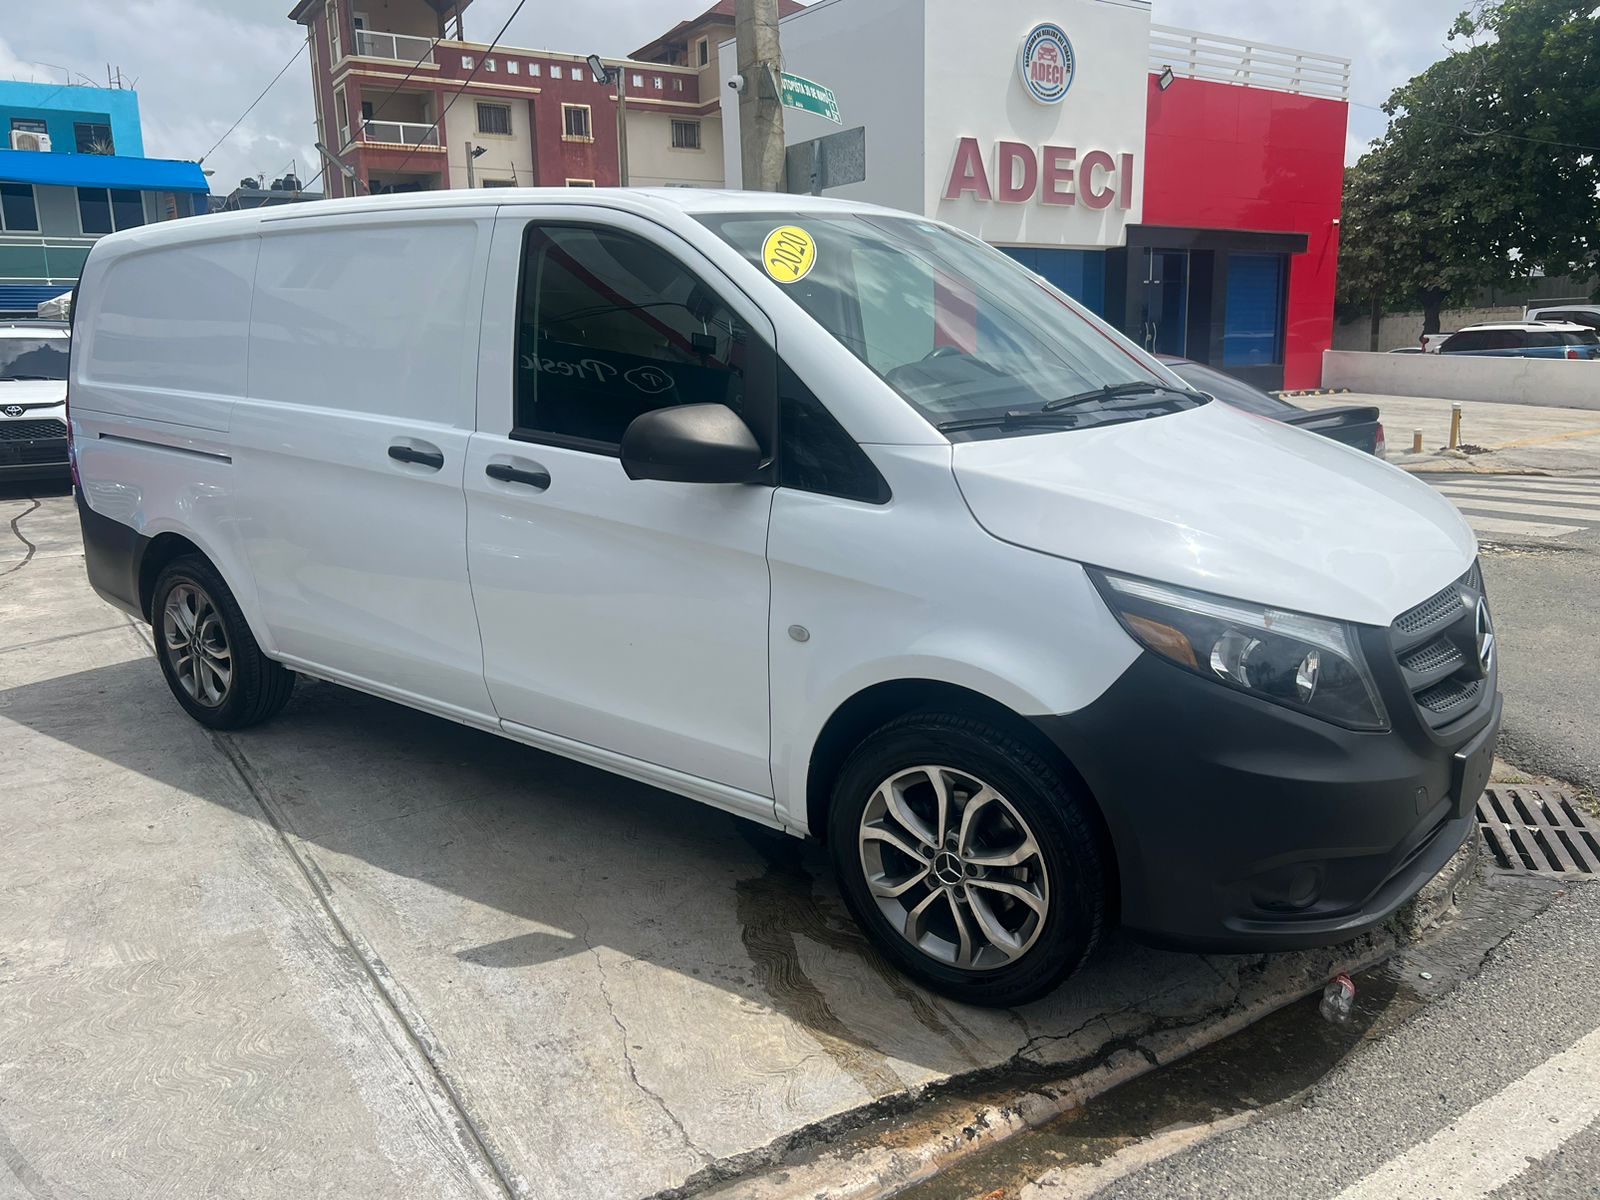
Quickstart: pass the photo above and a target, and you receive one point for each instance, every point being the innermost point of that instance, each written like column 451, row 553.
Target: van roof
column 1529, row 327
column 644, row 201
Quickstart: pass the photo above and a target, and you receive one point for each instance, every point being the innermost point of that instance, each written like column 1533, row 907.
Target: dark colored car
column 1353, row 424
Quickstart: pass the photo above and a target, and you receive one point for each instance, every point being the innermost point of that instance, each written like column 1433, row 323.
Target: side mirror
column 691, row 443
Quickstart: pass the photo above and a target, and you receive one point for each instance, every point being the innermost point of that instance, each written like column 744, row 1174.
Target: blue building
column 72, row 168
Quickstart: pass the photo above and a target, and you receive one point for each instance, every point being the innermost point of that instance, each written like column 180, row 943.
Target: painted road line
column 1518, row 528
column 1530, row 510
column 1497, row 1139
column 1508, row 483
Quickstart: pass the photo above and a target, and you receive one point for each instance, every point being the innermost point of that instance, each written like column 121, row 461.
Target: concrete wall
column 1554, row 382
column 1405, row 329
column 652, row 161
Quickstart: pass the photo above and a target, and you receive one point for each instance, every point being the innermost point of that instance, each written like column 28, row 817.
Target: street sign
column 826, row 162
column 809, row 96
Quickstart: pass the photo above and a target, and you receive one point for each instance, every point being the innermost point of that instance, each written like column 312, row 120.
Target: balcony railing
column 401, row 47
column 1197, row 55
column 400, row 133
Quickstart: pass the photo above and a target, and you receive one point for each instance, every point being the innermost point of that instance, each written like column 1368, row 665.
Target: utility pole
column 622, row 127
column 755, row 26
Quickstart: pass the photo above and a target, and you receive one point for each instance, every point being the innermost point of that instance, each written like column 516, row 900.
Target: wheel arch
column 875, row 706
column 162, row 549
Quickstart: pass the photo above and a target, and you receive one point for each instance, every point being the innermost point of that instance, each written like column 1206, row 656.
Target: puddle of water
column 1271, row 1062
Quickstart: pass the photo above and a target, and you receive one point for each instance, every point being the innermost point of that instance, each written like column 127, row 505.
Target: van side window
column 815, row 454
column 610, row 327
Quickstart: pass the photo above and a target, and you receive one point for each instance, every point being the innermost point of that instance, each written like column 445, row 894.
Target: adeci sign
column 1016, row 173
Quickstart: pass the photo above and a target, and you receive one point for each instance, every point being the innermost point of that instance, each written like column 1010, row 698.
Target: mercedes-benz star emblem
column 1485, row 636
column 14, row 410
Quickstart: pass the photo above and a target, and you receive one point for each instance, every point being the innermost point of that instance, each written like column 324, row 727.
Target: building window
column 1252, row 330
column 333, row 30
column 513, row 67
column 535, row 70
column 495, row 119
column 102, row 211
column 499, row 182
column 468, row 62
column 575, row 125
column 677, row 85
column 93, row 138
column 489, row 66
column 341, row 110
column 18, row 211
column 656, row 83
column 702, row 52
column 580, row 183
column 638, row 81
column 686, row 135
column 555, row 71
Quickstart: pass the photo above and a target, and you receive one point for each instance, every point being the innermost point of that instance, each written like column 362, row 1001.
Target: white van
column 824, row 515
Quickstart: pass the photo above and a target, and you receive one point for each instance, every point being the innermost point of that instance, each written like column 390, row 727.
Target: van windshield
column 33, row 358
column 974, row 342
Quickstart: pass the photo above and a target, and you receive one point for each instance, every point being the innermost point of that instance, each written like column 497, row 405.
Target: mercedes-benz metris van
column 822, row 514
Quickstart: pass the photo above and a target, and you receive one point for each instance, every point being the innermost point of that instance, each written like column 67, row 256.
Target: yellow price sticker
column 789, row 253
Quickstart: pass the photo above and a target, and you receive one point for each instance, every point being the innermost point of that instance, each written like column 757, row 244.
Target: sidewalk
column 1515, row 438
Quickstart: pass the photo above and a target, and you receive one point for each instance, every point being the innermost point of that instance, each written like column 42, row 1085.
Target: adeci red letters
column 1053, row 174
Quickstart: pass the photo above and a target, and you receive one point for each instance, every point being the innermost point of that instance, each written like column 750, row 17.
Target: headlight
column 1303, row 662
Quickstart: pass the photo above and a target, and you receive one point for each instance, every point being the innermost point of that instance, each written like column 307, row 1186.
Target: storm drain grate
column 1538, row 831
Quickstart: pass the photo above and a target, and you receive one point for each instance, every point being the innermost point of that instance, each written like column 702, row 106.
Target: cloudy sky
column 199, row 63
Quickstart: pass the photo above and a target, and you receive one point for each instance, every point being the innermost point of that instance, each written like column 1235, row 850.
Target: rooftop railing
column 401, row 47
column 1210, row 56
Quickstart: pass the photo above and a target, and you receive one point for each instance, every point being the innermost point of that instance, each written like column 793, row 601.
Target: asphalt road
column 1493, row 1091
column 1545, row 593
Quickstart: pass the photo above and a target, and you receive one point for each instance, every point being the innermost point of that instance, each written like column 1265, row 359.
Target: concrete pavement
column 1517, row 437
column 360, row 951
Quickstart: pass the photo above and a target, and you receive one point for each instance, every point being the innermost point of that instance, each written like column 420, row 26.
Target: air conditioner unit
column 22, row 139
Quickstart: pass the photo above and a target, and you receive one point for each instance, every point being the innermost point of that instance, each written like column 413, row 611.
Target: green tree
column 1487, row 169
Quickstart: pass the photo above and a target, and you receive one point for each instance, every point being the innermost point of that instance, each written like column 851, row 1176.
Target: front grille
column 31, row 431
column 1436, row 647
column 1432, row 657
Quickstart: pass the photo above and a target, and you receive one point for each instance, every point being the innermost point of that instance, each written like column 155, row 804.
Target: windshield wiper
column 1112, row 391
column 1010, row 420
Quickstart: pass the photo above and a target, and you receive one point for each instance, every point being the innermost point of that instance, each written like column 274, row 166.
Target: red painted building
column 406, row 102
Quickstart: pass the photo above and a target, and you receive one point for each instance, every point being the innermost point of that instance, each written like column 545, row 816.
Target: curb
column 1312, row 392
column 891, row 1153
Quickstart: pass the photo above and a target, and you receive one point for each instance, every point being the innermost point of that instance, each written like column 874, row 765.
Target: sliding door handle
column 535, row 477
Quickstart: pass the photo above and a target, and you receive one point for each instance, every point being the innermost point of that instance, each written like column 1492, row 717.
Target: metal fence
column 402, row 47
column 400, row 133
column 1196, row 55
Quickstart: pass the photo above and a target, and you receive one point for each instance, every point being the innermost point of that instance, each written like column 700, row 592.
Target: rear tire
column 997, row 900
column 209, row 656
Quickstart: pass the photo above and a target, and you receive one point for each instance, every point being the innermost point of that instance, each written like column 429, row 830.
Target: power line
column 297, row 52
column 395, row 91
column 476, row 67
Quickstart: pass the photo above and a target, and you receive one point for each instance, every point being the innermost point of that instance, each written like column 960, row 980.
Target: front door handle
column 432, row 459
column 537, row 478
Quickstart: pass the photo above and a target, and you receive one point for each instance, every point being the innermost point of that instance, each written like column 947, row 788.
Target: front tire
column 209, row 656
column 968, row 858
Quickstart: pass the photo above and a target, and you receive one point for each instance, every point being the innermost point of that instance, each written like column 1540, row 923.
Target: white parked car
column 828, row 516
column 33, row 392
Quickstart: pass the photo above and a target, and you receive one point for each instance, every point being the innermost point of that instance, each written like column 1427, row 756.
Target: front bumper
column 29, row 457
column 1241, row 825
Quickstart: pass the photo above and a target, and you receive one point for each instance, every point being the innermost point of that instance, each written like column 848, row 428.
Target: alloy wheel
column 954, row 867
column 197, row 645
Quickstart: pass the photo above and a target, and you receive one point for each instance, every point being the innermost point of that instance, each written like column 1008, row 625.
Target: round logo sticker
column 1047, row 63
column 789, row 253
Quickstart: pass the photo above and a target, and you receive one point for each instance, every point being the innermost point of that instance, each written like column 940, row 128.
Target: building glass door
column 1164, row 325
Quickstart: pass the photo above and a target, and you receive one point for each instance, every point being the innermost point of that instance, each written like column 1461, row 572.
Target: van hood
column 1222, row 501
column 30, row 392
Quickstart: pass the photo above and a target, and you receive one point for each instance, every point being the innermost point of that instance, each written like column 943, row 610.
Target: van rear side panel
column 160, row 336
